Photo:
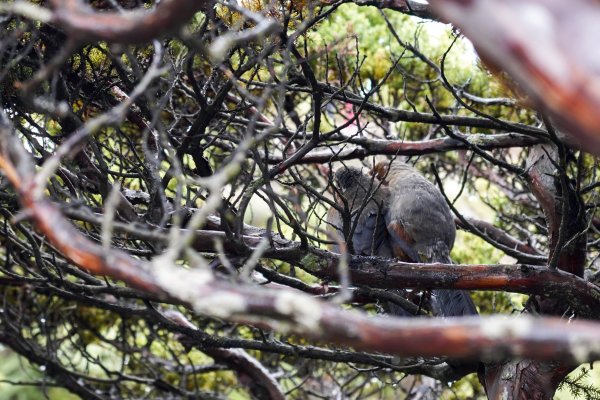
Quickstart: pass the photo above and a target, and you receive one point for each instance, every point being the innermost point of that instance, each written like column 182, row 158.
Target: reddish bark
column 533, row 41
column 130, row 27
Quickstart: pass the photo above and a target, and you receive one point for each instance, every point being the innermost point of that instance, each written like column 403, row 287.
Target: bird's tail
column 449, row 303
column 397, row 310
column 453, row 303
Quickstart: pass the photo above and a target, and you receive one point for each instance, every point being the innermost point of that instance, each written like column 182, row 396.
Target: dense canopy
column 168, row 169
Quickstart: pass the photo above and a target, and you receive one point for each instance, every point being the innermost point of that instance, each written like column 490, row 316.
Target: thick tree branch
column 129, row 27
column 416, row 8
column 499, row 236
column 533, row 41
column 360, row 147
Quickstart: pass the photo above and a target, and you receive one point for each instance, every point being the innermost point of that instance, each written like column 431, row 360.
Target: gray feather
column 426, row 218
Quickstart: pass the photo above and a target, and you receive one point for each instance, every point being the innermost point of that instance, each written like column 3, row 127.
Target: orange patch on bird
column 400, row 251
column 380, row 170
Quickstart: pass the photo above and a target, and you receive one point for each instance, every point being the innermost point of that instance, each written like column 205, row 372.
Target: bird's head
column 347, row 177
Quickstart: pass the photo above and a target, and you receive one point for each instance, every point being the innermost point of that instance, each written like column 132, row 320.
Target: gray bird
column 362, row 203
column 421, row 228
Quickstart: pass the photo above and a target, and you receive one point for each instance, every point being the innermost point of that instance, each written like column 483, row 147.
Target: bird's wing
column 401, row 244
column 453, row 303
column 370, row 235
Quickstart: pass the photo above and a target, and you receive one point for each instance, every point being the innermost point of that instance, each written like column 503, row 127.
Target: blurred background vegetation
column 399, row 55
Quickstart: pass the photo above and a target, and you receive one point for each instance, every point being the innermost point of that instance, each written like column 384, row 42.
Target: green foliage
column 470, row 249
column 580, row 384
column 359, row 38
column 468, row 387
column 16, row 369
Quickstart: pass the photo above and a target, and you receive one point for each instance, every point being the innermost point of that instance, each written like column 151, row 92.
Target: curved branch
column 499, row 236
column 129, row 27
column 246, row 366
column 367, row 147
column 400, row 115
column 557, row 72
column 410, row 7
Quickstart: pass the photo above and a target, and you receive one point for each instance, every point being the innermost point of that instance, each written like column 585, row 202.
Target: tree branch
column 128, row 27
column 557, row 72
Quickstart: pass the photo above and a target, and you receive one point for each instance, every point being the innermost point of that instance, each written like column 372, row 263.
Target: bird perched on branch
column 420, row 228
column 359, row 214
column 398, row 213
